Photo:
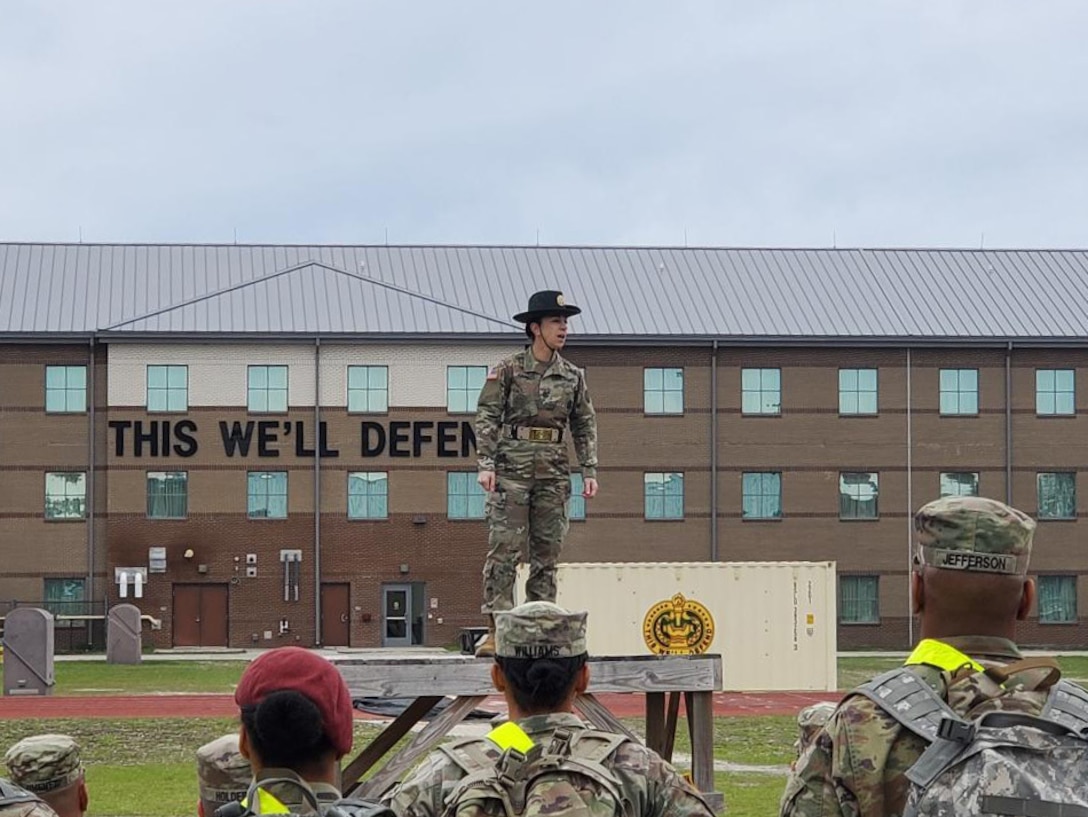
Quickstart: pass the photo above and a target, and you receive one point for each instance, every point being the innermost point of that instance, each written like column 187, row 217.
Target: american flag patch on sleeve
column 493, row 374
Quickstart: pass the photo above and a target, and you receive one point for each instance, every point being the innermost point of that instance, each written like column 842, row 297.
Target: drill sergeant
column 526, row 404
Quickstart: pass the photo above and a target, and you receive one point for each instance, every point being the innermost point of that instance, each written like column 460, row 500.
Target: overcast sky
column 871, row 123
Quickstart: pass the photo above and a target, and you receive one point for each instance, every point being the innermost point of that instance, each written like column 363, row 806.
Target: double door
column 201, row 615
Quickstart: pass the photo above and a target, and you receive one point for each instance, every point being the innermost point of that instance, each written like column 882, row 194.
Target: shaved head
column 957, row 603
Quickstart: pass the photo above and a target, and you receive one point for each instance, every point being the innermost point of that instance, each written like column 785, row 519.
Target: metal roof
column 626, row 292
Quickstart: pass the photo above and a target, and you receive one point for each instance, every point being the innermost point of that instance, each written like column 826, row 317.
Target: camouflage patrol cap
column 540, row 629
column 44, row 763
column 810, row 721
column 975, row 534
column 223, row 773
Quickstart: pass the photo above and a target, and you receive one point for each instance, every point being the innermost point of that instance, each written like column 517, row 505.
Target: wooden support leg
column 655, row 721
column 700, row 707
column 597, row 714
column 670, row 726
column 386, row 740
column 430, row 736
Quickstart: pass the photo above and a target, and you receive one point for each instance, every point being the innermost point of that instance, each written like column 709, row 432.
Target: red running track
column 222, row 706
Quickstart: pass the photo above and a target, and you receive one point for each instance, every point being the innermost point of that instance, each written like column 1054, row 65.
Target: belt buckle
column 540, row 435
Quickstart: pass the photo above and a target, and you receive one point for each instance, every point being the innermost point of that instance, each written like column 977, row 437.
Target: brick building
column 160, row 408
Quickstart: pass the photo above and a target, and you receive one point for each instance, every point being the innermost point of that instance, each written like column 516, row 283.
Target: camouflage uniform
column 222, row 772
column 857, row 764
column 529, row 504
column 21, row 803
column 540, row 629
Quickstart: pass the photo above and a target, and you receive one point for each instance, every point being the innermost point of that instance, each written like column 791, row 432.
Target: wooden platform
column 468, row 680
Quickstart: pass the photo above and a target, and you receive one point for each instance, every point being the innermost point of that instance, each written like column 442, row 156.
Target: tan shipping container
column 773, row 623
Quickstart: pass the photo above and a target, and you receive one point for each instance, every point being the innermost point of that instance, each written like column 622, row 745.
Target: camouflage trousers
column 524, row 513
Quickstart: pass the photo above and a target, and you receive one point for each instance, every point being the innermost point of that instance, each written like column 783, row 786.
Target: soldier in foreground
column 969, row 587
column 223, row 774
column 49, row 766
column 540, row 667
column 522, row 414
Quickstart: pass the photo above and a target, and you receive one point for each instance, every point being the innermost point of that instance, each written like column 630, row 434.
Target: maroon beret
column 299, row 670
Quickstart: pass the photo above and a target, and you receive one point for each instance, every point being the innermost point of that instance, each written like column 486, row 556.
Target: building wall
column 809, row 443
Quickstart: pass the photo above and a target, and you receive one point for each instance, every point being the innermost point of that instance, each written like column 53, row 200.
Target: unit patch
column 678, row 626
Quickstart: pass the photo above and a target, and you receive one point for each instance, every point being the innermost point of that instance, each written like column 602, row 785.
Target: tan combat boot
column 485, row 647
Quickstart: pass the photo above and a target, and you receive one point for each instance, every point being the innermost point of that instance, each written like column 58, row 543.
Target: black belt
column 535, row 434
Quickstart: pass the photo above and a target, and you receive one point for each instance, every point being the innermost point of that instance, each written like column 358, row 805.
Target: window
column 368, row 389
column 1057, row 599
column 465, row 499
column 857, row 391
column 267, row 388
column 167, row 494
column 66, row 389
column 664, row 496
column 65, row 597
column 761, row 391
column 761, row 495
column 1057, row 496
column 959, row 391
column 576, row 507
column 463, row 384
column 1055, row 391
column 167, row 388
column 858, row 493
column 66, row 495
column 663, row 391
column 368, row 495
column 267, row 495
column 959, row 483
column 859, row 599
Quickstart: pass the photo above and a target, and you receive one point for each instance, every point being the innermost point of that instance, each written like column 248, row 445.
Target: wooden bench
column 468, row 680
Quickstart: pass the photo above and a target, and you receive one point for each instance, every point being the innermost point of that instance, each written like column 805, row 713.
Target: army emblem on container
column 678, row 626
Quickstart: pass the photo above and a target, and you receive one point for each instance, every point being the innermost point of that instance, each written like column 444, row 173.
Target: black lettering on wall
column 324, row 442
column 186, row 443
column 300, row 441
column 421, row 433
column 468, row 438
column 447, row 438
column 151, row 437
column 373, row 438
column 236, row 438
column 266, row 435
column 398, row 436
column 119, row 427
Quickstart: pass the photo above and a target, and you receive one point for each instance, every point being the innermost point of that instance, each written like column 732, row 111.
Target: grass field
column 99, row 678
column 145, row 768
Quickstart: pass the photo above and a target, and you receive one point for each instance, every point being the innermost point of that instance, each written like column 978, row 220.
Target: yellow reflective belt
column 510, row 736
column 942, row 656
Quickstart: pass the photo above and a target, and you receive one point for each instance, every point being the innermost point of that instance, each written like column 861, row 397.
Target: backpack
column 565, row 778
column 344, row 807
column 1000, row 763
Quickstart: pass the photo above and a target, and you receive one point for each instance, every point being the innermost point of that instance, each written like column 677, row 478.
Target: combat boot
column 485, row 647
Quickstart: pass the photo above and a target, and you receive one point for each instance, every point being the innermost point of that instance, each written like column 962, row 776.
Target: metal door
column 396, row 609
column 336, row 615
column 200, row 615
column 186, row 615
column 213, row 616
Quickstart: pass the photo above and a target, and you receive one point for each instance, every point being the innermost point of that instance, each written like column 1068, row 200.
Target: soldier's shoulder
column 856, row 712
column 35, row 808
column 571, row 368
column 641, row 761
